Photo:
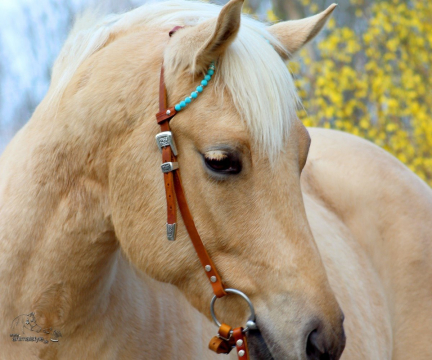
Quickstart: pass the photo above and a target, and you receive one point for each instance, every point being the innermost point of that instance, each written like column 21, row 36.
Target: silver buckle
column 169, row 166
column 171, row 231
column 165, row 138
column 230, row 336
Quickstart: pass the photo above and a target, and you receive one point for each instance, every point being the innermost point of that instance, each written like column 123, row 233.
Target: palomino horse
column 82, row 204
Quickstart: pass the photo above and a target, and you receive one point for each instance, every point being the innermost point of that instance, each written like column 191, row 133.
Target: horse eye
column 222, row 162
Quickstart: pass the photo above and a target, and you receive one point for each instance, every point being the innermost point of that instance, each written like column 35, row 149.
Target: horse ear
column 294, row 34
column 223, row 32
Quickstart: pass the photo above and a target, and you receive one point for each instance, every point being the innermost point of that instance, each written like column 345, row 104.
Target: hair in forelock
column 258, row 80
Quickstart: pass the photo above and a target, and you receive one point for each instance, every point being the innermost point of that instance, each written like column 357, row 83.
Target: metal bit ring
column 250, row 325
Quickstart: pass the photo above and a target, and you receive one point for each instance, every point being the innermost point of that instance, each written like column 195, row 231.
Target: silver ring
column 250, row 323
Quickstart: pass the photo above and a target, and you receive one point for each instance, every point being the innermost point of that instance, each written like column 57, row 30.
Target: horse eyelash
column 215, row 155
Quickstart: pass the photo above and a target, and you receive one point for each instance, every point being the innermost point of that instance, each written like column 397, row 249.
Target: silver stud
column 168, row 112
column 207, row 268
column 239, row 342
column 251, row 325
column 241, row 353
column 213, row 279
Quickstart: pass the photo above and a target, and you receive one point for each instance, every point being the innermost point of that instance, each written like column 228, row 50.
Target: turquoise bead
column 182, row 104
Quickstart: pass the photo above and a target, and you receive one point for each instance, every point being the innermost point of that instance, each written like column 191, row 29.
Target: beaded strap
column 182, row 104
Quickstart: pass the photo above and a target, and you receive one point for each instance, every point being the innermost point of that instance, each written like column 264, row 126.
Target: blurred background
column 367, row 73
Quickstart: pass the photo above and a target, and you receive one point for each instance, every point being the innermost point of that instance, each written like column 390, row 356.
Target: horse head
column 241, row 152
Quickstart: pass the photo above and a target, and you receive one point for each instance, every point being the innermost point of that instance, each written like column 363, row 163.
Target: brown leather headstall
column 174, row 189
column 227, row 337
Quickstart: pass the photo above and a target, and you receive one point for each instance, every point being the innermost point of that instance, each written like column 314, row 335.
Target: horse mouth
column 258, row 348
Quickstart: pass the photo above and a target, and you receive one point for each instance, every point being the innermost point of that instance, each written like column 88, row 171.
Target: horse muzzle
column 303, row 340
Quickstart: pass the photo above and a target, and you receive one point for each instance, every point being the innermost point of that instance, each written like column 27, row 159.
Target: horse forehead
column 214, row 119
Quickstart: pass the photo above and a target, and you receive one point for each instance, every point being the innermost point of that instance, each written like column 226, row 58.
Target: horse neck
column 58, row 244
column 60, row 253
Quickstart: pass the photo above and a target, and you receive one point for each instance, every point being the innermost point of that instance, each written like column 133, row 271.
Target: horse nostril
column 315, row 349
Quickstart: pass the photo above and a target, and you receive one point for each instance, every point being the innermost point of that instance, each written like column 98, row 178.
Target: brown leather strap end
column 170, row 197
column 241, row 344
column 222, row 344
column 170, row 190
column 219, row 346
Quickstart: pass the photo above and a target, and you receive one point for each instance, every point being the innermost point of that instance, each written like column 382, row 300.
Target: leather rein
column 227, row 337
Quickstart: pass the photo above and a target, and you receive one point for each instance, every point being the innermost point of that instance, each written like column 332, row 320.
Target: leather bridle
column 227, row 337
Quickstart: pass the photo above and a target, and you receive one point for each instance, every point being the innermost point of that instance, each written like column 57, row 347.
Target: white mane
column 251, row 70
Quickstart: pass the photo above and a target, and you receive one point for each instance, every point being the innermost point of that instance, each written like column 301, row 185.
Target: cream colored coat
column 81, row 208
column 376, row 261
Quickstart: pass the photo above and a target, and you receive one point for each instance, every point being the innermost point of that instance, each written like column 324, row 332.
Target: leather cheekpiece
column 174, row 189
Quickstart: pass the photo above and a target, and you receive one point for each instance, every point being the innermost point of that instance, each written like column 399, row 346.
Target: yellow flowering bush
column 374, row 83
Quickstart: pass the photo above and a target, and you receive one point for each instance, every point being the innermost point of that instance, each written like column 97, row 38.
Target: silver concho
column 164, row 139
